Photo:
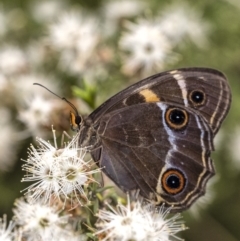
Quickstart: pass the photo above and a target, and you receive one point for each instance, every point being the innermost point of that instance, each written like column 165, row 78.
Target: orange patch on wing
column 149, row 96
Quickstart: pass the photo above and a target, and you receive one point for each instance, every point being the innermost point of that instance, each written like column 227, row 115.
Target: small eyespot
column 173, row 181
column 197, row 97
column 176, row 118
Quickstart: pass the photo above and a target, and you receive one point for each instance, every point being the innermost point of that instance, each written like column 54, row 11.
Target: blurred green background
column 28, row 27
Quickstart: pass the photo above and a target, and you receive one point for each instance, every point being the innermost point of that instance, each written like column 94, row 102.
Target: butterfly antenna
column 63, row 98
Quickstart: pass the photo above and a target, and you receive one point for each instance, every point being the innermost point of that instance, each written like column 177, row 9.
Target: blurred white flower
column 35, row 104
column 61, row 173
column 47, row 10
column 76, row 37
column 37, row 220
column 74, row 31
column 37, row 115
column 148, row 48
column 8, row 144
column 180, row 20
column 7, row 232
column 38, row 52
column 115, row 11
column 138, row 222
column 12, row 60
column 24, row 84
column 122, row 9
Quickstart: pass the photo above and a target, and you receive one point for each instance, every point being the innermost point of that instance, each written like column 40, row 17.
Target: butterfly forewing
column 180, row 86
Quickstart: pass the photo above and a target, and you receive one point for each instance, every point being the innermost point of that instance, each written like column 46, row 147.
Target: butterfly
column 156, row 136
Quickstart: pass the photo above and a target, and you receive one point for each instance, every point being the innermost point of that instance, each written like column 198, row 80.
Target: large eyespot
column 176, row 118
column 197, row 97
column 173, row 181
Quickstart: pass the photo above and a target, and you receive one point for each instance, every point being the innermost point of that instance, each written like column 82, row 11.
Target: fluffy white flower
column 37, row 115
column 59, row 173
column 37, row 220
column 76, row 36
column 74, row 31
column 180, row 21
column 24, row 84
column 148, row 48
column 46, row 11
column 12, row 60
column 39, row 53
column 115, row 11
column 137, row 222
column 6, row 231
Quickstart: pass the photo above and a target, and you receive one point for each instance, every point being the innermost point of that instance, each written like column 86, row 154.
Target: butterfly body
column 156, row 136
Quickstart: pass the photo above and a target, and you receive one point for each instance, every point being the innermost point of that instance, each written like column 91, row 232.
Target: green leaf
column 87, row 93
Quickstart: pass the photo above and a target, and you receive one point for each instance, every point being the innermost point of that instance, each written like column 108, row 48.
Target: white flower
column 37, row 114
column 12, row 60
column 39, row 52
column 149, row 49
column 76, row 36
column 24, row 84
column 46, row 11
column 42, row 168
column 58, row 173
column 123, row 8
column 138, row 222
column 6, row 231
column 74, row 31
column 38, row 221
column 115, row 11
column 180, row 21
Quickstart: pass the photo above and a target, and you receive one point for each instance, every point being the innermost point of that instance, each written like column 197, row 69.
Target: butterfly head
column 75, row 118
column 75, row 121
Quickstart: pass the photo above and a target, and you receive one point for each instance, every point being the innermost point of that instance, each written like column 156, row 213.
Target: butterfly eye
column 176, row 118
column 173, row 181
column 197, row 97
column 75, row 121
column 78, row 120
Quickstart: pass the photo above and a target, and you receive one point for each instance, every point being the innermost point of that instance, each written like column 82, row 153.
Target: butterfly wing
column 201, row 89
column 148, row 149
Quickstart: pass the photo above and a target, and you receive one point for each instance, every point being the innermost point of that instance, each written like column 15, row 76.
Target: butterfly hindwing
column 138, row 146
